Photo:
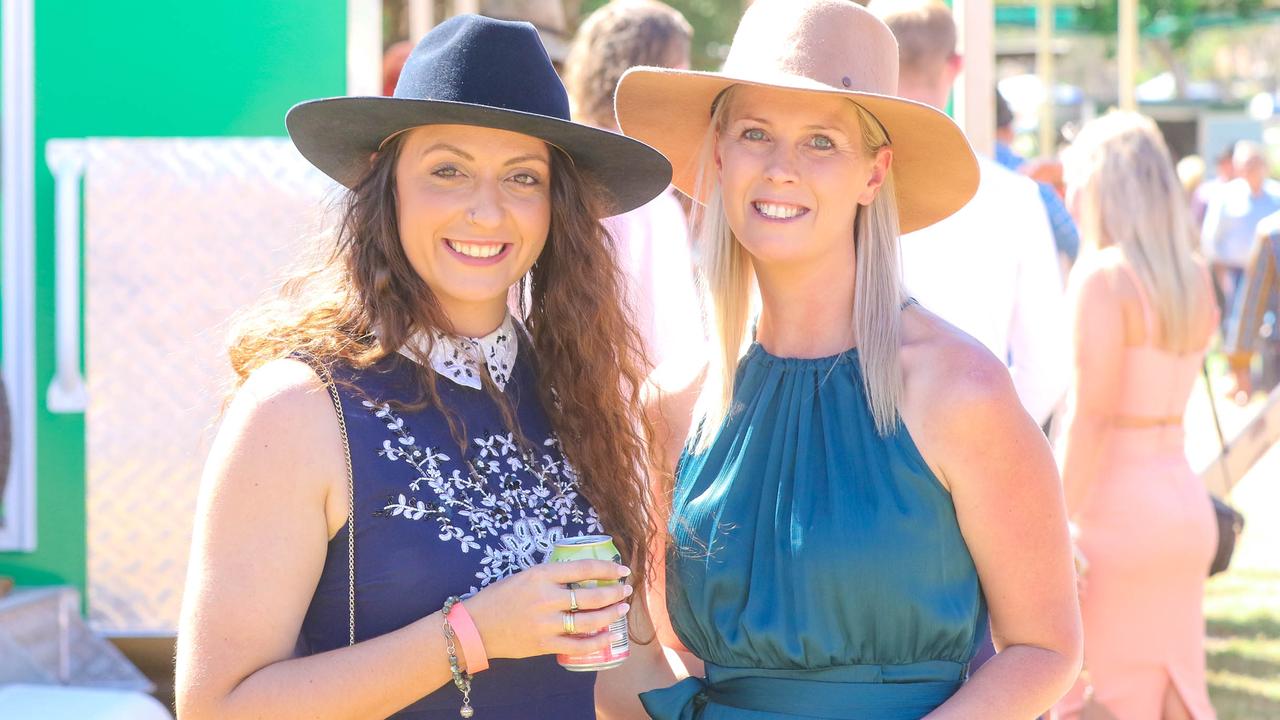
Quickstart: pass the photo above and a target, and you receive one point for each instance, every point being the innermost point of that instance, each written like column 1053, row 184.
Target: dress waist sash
column 849, row 692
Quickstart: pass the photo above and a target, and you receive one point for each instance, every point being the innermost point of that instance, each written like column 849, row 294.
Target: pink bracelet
column 469, row 637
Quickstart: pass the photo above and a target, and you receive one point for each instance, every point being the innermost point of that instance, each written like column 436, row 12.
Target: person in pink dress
column 1144, row 312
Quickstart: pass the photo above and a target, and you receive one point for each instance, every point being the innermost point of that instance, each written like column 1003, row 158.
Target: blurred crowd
column 1237, row 213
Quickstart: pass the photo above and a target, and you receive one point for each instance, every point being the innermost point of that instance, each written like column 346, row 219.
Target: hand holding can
column 523, row 615
column 599, row 547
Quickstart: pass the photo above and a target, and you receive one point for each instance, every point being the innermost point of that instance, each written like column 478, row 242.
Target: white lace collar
column 458, row 358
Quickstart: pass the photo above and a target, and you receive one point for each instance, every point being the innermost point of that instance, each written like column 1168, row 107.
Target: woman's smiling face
column 793, row 172
column 474, row 210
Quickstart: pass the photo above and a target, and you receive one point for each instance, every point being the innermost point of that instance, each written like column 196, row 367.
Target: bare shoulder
column 279, row 432
column 282, row 393
column 1101, row 275
column 671, row 381
column 670, row 396
column 943, row 366
column 956, row 394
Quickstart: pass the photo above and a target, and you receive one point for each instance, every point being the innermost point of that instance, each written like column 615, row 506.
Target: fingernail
column 627, row 590
column 624, row 608
column 623, row 570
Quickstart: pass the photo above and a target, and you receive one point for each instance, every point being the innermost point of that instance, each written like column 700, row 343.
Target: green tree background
column 1176, row 20
column 1171, row 29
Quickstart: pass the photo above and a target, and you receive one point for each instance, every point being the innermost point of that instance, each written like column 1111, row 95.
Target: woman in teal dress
column 860, row 486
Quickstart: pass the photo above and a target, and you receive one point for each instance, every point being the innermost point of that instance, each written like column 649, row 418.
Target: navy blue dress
column 433, row 520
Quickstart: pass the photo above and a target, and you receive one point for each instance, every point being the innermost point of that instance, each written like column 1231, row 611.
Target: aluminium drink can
column 594, row 547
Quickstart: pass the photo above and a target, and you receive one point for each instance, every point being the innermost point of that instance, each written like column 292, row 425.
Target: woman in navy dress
column 473, row 439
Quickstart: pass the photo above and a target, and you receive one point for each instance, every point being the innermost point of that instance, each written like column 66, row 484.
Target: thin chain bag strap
column 1217, row 425
column 1216, row 289
column 332, row 387
column 1230, row 521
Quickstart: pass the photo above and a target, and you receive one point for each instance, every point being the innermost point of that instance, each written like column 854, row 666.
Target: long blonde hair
column 1131, row 197
column 728, row 284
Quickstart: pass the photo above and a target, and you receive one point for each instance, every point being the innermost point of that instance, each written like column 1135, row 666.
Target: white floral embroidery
column 458, row 358
column 508, row 504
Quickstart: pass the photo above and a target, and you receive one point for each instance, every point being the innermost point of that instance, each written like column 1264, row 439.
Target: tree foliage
column 1176, row 20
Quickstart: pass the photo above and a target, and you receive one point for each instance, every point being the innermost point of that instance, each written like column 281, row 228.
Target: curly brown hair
column 586, row 353
column 613, row 39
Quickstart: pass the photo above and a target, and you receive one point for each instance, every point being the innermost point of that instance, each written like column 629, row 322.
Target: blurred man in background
column 1065, row 236
column 1224, row 172
column 1231, row 222
column 990, row 269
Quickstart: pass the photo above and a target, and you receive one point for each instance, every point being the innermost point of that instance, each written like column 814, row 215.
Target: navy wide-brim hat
column 474, row 70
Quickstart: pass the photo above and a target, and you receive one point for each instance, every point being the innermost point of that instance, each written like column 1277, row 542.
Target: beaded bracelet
column 460, row 679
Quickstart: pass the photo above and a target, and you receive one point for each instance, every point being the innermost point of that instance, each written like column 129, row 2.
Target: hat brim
column 340, row 135
column 935, row 170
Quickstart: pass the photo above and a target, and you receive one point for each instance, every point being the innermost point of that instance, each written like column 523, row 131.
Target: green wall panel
column 138, row 68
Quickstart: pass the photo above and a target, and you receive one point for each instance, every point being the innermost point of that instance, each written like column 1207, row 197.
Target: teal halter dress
column 816, row 567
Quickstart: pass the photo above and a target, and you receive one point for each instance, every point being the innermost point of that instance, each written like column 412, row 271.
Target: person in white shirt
column 1231, row 222
column 990, row 269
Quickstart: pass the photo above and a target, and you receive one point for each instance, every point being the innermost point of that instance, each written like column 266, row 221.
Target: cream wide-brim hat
column 833, row 47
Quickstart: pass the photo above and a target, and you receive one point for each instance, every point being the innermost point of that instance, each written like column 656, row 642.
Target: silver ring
column 569, row 628
column 573, row 601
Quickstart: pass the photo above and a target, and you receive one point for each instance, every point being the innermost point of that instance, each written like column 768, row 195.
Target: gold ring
column 569, row 629
column 573, row 601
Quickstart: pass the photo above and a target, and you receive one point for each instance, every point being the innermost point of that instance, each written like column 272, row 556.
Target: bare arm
column 1098, row 330
column 618, row 690
column 260, row 540
column 1009, row 506
column 670, row 397
column 272, row 495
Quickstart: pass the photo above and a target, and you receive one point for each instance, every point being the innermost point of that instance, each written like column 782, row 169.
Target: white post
column 364, row 47
column 461, row 7
column 422, row 17
column 1127, row 53
column 1044, row 68
column 975, row 94
column 67, row 392
column 18, row 531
